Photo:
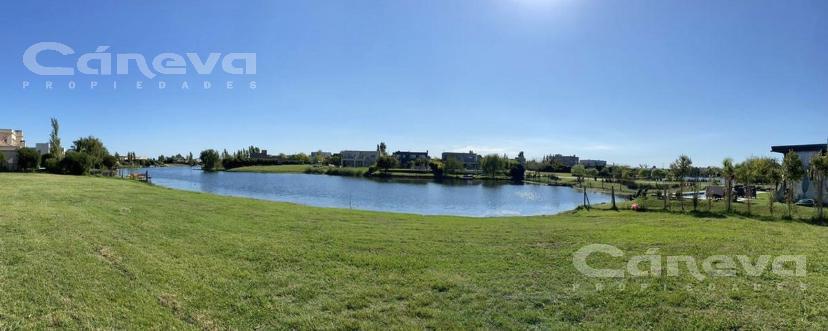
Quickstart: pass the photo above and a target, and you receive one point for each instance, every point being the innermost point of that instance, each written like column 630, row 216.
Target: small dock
column 141, row 177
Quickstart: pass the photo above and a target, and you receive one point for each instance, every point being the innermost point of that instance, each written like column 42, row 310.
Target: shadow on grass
column 717, row 215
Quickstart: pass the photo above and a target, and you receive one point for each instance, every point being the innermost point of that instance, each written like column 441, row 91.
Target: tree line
column 85, row 155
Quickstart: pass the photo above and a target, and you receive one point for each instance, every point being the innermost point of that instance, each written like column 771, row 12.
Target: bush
column 355, row 172
column 436, row 168
column 110, row 162
column 28, row 159
column 386, row 163
column 317, row 170
column 517, row 172
column 43, row 159
column 210, row 160
column 76, row 163
column 52, row 165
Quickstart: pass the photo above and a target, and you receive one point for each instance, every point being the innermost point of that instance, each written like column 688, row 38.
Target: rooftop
column 799, row 148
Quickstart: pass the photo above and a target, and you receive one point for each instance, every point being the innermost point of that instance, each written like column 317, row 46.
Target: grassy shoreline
column 303, row 169
column 84, row 252
column 564, row 179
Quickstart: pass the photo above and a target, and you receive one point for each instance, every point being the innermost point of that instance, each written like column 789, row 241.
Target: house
column 261, row 154
column 43, row 148
column 10, row 142
column 593, row 163
column 409, row 159
column 566, row 161
column 804, row 188
column 470, row 160
column 320, row 156
column 358, row 158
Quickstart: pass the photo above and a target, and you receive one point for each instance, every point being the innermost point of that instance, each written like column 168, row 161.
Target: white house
column 805, row 188
column 10, row 142
column 359, row 158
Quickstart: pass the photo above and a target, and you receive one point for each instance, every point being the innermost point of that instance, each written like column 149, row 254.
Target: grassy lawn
column 83, row 252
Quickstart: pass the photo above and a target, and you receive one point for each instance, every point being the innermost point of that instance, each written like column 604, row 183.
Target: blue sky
column 627, row 81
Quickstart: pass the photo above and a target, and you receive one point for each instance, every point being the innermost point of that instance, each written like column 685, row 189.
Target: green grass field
column 95, row 253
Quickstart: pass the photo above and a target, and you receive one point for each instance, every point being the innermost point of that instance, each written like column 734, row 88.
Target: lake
column 426, row 197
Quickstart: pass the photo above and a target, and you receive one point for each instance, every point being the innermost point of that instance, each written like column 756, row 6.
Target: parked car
column 806, row 202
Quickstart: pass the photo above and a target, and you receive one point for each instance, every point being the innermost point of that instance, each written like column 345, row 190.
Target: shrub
column 43, row 159
column 355, row 172
column 436, row 168
column 110, row 162
column 210, row 160
column 52, row 165
column 94, row 149
column 517, row 172
column 76, row 163
column 28, row 159
column 317, row 170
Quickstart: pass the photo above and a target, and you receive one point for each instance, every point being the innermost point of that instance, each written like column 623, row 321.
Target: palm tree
column 818, row 171
column 792, row 171
column 745, row 174
column 729, row 173
column 680, row 168
column 709, row 172
column 773, row 175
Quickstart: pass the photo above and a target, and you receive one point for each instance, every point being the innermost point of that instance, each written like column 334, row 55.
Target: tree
column 452, row 165
column 644, row 172
column 210, row 160
column 768, row 171
column 110, row 162
column 658, row 174
column 300, row 158
column 421, row 162
column 381, row 149
column 579, row 172
column 76, row 163
column 28, row 159
column 93, row 147
column 592, row 173
column 491, row 165
column 681, row 168
column 190, row 159
column 335, row 159
column 745, row 173
column 517, row 172
column 792, row 172
column 729, row 174
column 386, row 162
column 614, row 207
column 818, row 171
column 696, row 175
column 2, row 162
column 54, row 141
column 320, row 158
column 436, row 168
